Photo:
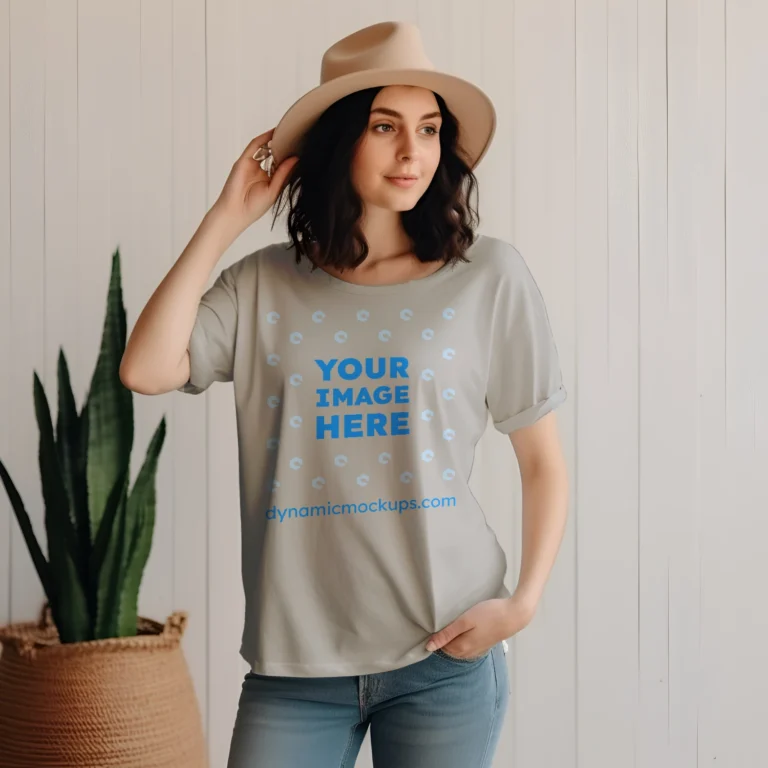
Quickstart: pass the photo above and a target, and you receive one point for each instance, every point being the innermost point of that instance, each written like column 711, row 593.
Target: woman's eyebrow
column 394, row 113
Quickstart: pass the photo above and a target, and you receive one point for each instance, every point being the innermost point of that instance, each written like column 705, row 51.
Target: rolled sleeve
column 524, row 375
column 212, row 341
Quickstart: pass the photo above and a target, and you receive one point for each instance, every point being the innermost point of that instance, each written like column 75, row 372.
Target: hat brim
column 472, row 108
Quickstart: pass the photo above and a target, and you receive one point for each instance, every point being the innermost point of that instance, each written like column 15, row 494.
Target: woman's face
column 401, row 139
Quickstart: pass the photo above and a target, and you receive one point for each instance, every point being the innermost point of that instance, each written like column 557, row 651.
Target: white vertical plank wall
column 629, row 167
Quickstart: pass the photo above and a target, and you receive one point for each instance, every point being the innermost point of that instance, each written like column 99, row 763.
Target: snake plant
column 99, row 535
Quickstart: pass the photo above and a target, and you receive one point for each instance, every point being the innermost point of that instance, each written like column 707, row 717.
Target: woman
column 366, row 353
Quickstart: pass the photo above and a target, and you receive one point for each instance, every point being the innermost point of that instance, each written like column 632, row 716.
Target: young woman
column 366, row 353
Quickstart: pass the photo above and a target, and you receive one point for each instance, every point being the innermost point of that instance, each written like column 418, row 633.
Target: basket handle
column 45, row 620
column 175, row 624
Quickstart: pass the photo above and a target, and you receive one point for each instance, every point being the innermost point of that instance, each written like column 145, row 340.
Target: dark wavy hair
column 324, row 207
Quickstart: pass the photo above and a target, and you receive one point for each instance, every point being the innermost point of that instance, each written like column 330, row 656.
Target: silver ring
column 264, row 157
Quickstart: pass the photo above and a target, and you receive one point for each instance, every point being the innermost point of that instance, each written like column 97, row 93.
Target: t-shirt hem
column 190, row 389
column 533, row 414
column 289, row 669
column 198, row 364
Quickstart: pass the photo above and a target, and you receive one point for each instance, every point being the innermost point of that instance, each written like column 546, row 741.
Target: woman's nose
column 408, row 148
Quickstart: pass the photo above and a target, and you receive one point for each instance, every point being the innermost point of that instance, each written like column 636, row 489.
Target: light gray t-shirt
column 358, row 411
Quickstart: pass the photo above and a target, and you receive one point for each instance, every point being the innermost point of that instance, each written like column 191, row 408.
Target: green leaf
column 72, row 460
column 141, row 521
column 82, row 460
column 63, row 549
column 109, row 557
column 109, row 407
column 38, row 558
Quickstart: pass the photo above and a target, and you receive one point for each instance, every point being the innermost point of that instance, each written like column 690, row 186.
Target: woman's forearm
column 160, row 336
column 545, row 509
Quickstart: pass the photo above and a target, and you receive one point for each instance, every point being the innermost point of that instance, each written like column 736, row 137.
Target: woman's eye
column 386, row 125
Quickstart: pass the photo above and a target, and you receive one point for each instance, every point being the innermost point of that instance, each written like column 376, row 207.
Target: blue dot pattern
column 426, row 454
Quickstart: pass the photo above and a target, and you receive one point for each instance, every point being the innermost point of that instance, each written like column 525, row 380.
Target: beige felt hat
column 388, row 53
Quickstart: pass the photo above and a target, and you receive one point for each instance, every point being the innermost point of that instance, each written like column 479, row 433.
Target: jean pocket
column 457, row 660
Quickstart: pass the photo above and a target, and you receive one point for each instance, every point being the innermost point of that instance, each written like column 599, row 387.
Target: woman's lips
column 400, row 182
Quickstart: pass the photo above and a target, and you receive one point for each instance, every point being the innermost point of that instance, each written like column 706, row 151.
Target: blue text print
column 362, row 423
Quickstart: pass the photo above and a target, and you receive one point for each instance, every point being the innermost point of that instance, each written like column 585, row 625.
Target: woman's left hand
column 482, row 626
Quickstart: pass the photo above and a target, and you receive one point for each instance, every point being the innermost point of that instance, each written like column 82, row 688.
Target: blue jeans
column 441, row 712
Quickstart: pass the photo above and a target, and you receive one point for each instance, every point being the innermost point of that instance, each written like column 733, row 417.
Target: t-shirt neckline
column 321, row 277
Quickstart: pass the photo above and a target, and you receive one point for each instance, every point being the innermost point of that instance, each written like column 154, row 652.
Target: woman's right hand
column 249, row 192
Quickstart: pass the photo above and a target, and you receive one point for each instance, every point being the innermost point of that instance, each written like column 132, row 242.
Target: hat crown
column 387, row 45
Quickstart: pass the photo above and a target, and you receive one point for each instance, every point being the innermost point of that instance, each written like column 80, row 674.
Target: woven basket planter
column 125, row 701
